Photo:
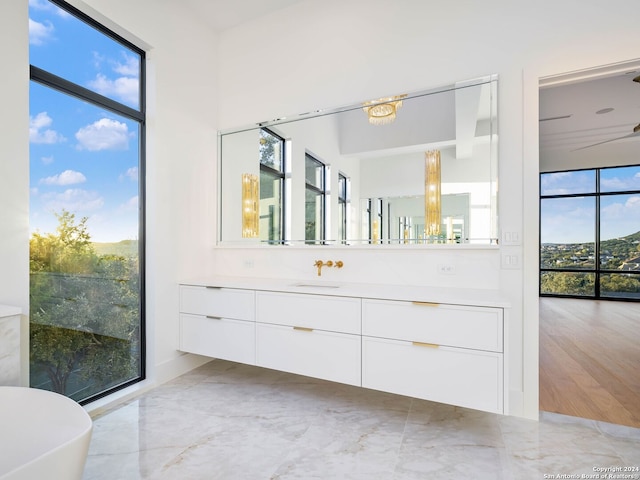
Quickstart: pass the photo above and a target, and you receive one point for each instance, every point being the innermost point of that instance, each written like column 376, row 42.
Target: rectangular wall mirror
column 409, row 169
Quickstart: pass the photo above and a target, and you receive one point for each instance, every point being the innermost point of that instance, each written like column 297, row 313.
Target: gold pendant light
column 383, row 110
column 432, row 194
column 250, row 205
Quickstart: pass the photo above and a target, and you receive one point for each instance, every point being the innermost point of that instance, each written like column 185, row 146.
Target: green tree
column 84, row 311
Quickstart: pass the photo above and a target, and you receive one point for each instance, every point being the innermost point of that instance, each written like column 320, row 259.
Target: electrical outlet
column 247, row 263
column 511, row 262
column 447, row 268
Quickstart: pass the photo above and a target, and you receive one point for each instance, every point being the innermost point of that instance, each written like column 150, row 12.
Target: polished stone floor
column 235, row 422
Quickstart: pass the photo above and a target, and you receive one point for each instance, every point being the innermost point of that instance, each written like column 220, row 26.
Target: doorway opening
column 590, row 122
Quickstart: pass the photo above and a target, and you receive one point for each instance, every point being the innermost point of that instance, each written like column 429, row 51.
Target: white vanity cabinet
column 450, row 352
column 218, row 322
column 313, row 335
column 444, row 353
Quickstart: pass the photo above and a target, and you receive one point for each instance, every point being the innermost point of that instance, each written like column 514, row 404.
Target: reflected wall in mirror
column 333, row 177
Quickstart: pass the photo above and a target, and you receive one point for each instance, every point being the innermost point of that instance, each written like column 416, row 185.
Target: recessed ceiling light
column 605, row 110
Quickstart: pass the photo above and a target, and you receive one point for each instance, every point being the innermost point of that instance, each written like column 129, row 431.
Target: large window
column 315, row 196
column 272, row 175
column 87, row 205
column 590, row 233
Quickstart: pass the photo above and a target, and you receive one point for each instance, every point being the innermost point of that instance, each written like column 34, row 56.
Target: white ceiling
column 224, row 14
column 587, row 123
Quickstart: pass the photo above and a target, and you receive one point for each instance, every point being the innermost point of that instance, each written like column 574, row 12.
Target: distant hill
column 613, row 254
column 632, row 238
column 123, row 248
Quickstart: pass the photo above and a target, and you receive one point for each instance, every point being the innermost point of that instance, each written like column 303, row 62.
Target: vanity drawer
column 467, row 378
column 450, row 325
column 223, row 338
column 218, row 302
column 314, row 353
column 335, row 314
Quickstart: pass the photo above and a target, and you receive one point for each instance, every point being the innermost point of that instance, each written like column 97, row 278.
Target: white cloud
column 47, row 160
column 39, row 4
column 73, row 200
column 97, row 60
column 633, row 202
column 38, row 131
column 130, row 67
column 45, row 6
column 561, row 183
column 130, row 205
column 68, row 177
column 105, row 134
column 40, row 33
column 41, row 120
column 614, row 184
column 131, row 174
column 126, row 86
column 122, row 88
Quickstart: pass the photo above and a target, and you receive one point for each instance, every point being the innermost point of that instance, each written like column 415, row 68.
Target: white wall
column 14, row 166
column 14, row 155
column 336, row 52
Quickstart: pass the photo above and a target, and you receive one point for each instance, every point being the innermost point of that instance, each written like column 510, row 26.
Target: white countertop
column 456, row 296
column 9, row 311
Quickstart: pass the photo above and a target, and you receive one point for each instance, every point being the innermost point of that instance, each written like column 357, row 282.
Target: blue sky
column 83, row 159
column 572, row 220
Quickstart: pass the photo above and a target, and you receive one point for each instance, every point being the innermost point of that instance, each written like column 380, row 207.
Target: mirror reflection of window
column 272, row 192
column 315, row 194
column 343, row 201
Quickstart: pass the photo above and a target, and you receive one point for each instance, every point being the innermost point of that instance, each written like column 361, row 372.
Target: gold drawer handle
column 426, row 304
column 211, row 317
column 428, row 345
column 303, row 329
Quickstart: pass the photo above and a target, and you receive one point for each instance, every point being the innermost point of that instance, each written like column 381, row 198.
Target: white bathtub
column 43, row 435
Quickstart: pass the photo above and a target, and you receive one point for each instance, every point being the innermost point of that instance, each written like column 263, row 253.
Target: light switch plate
column 511, row 238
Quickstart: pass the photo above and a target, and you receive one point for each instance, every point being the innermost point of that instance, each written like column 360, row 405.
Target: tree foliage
column 84, row 311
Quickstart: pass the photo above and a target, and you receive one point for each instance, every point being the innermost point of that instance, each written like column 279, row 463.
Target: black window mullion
column 597, row 246
column 58, row 83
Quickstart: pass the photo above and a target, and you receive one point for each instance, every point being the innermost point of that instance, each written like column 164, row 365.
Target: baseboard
column 516, row 405
column 161, row 373
column 178, row 366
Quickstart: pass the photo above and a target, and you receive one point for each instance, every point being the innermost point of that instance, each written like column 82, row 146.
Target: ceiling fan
column 634, row 133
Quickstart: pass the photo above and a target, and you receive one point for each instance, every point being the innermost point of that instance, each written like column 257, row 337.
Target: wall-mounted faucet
column 319, row 264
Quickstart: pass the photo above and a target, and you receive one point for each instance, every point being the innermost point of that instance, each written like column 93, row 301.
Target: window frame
column 343, row 201
column 322, row 193
column 60, row 84
column 281, row 176
column 597, row 271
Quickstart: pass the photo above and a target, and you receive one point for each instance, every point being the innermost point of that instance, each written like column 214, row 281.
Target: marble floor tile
column 229, row 421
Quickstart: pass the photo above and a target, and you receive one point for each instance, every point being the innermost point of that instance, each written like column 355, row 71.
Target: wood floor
column 590, row 359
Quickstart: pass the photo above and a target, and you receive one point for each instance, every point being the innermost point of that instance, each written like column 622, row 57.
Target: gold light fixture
column 250, row 205
column 383, row 110
column 432, row 195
